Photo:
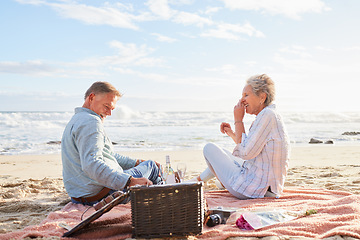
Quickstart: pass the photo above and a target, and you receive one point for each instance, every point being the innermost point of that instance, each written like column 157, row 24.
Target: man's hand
column 140, row 181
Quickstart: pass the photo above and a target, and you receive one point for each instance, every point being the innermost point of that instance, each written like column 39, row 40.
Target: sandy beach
column 31, row 185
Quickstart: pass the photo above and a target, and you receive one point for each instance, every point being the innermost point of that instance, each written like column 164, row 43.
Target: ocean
column 40, row 132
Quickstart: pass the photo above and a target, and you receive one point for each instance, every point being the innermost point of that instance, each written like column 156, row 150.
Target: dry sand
column 31, row 185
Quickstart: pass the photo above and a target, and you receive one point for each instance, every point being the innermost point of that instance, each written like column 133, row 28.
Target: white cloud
column 153, row 76
column 35, row 67
column 122, row 16
column 123, row 70
column 301, row 59
column 130, row 50
column 126, row 57
column 160, row 8
column 228, row 69
column 211, row 80
column 132, row 55
column 113, row 15
column 162, row 38
column 324, row 49
column 296, row 50
column 297, row 64
column 221, row 33
column 353, row 48
column 181, row 2
column 96, row 15
column 187, row 18
column 251, row 63
column 211, row 10
column 232, row 31
column 289, row 8
column 149, row 62
column 32, row 2
column 318, row 60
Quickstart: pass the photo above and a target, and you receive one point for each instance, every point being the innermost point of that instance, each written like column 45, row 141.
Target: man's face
column 103, row 103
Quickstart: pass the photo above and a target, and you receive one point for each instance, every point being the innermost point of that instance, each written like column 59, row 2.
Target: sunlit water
column 31, row 132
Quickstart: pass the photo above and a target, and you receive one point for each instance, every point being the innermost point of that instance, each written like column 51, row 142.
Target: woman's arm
column 239, row 113
column 239, row 130
column 225, row 128
column 257, row 138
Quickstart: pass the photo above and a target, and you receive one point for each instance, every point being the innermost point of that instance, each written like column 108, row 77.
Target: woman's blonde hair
column 263, row 83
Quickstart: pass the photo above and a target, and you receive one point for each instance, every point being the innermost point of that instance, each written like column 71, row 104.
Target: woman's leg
column 222, row 164
column 206, row 175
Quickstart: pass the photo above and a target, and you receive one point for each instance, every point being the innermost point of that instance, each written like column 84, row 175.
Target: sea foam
column 130, row 130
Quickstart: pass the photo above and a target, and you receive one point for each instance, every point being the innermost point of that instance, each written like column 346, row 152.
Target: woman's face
column 253, row 104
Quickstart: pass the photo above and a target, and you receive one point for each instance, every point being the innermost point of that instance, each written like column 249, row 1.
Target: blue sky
column 183, row 55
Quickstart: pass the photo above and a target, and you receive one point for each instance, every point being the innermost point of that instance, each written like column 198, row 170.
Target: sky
column 184, row 55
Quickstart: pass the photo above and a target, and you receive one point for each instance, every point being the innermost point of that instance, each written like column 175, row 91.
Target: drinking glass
column 181, row 169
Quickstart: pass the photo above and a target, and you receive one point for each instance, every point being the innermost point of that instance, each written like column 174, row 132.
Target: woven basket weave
column 167, row 210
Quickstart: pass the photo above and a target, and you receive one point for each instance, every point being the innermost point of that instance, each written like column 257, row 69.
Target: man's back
column 73, row 146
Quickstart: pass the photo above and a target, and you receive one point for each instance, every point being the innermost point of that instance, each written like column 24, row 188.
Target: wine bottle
column 169, row 174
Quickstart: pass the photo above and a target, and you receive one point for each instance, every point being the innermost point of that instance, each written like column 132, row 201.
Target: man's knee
column 150, row 163
column 153, row 171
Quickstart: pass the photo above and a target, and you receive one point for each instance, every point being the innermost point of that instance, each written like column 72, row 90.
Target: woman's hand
column 225, row 128
column 239, row 111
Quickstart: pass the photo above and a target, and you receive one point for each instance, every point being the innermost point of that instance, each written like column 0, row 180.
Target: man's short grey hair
column 102, row 87
column 263, row 83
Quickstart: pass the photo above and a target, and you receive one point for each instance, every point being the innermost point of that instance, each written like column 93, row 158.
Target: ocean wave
column 29, row 132
column 321, row 117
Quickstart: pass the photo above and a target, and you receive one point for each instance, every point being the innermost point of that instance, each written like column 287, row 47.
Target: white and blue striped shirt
column 266, row 153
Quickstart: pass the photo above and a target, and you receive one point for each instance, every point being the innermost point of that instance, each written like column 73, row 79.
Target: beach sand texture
column 32, row 187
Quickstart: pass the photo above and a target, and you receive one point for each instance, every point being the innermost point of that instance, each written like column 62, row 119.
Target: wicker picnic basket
column 167, row 210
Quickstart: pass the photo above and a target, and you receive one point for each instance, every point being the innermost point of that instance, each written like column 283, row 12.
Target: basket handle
column 98, row 213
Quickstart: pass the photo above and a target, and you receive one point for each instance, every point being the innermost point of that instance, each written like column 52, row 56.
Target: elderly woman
column 258, row 165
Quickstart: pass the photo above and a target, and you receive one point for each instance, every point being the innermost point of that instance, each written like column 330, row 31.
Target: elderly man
column 91, row 169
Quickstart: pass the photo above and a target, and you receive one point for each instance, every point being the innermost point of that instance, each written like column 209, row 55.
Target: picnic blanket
column 338, row 213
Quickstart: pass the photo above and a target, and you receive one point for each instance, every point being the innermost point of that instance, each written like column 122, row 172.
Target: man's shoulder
column 86, row 114
column 85, row 118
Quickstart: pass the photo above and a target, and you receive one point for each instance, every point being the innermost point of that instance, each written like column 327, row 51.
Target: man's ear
column 91, row 96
